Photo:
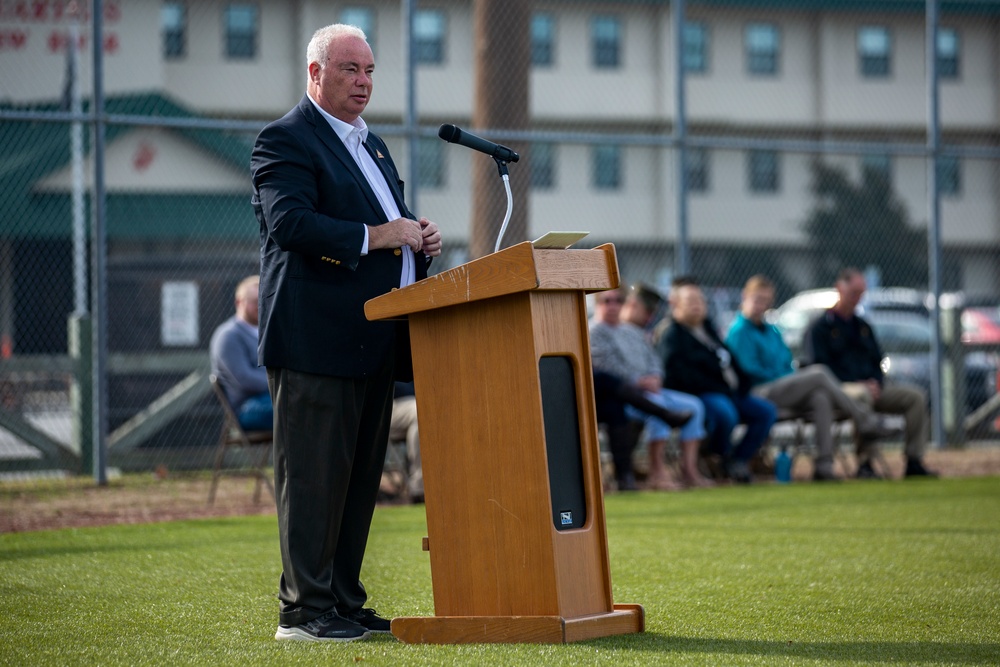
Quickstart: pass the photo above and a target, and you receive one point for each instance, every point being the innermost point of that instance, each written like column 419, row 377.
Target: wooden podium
column 508, row 434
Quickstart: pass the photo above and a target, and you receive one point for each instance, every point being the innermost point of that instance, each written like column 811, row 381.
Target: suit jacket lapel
column 330, row 139
column 388, row 175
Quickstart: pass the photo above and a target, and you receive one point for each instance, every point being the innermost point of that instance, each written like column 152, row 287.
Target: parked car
column 981, row 325
column 902, row 324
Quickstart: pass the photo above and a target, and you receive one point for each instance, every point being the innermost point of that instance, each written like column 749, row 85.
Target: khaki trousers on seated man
column 895, row 399
column 817, row 394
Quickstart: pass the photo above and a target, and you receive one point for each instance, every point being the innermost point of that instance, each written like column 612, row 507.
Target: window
column 607, row 167
column 605, row 39
column 173, row 22
column 877, row 165
column 543, row 166
column 696, row 169
column 949, row 175
column 241, row 31
column 543, row 37
column 428, row 36
column 430, row 162
column 762, row 171
column 874, row 51
column 695, row 48
column 362, row 17
column 948, row 53
column 763, row 45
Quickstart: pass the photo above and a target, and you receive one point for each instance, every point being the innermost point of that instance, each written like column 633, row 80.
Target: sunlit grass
column 852, row 573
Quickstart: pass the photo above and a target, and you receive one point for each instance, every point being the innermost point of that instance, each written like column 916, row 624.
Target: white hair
column 319, row 45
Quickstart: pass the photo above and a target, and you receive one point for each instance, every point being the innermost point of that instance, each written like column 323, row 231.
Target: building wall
column 818, row 92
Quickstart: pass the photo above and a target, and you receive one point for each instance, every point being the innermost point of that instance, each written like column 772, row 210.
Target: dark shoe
column 637, row 398
column 371, row 621
column 915, row 468
column 866, row 471
column 820, row 475
column 330, row 627
column 627, row 482
column 674, row 419
column 739, row 471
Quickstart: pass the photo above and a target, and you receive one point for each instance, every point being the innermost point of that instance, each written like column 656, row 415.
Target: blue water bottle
column 783, row 466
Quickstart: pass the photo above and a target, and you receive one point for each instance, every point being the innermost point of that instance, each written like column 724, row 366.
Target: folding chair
column 233, row 435
column 842, row 426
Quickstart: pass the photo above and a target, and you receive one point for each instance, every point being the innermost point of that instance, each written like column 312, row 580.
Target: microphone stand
column 504, row 174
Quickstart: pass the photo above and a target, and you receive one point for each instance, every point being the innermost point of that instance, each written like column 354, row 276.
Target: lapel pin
column 379, row 153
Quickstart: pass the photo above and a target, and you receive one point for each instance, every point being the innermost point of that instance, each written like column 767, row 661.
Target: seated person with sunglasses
column 621, row 350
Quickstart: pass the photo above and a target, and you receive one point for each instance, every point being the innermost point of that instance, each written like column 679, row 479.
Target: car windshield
column 896, row 331
column 911, row 335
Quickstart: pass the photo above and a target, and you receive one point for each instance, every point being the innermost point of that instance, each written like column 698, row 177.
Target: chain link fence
column 802, row 130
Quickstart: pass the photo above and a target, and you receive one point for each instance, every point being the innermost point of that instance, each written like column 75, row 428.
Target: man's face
column 850, row 291
column 247, row 308
column 635, row 311
column 690, row 308
column 608, row 306
column 756, row 302
column 342, row 85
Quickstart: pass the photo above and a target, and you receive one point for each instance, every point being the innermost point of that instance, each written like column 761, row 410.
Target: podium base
column 625, row 619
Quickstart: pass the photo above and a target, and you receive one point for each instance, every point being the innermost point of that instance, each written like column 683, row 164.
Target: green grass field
column 851, row 573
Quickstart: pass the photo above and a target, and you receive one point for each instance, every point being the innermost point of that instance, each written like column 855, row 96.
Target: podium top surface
column 519, row 268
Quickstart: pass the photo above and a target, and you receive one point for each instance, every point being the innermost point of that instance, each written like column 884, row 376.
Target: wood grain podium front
column 508, row 435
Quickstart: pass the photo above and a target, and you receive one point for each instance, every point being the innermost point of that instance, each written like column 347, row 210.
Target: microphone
column 453, row 135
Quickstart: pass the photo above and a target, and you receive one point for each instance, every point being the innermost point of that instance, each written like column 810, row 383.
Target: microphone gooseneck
column 500, row 154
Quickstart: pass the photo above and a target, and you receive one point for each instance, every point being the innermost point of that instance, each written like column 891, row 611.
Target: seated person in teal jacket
column 813, row 392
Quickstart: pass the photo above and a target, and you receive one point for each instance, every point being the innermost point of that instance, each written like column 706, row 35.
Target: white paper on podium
column 558, row 240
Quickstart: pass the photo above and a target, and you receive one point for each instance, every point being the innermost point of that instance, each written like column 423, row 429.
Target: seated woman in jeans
column 696, row 361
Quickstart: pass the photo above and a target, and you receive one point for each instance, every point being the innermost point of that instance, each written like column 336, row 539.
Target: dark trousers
column 723, row 413
column 330, row 438
column 610, row 410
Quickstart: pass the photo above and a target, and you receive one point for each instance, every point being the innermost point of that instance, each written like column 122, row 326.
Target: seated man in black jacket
column 846, row 344
column 696, row 361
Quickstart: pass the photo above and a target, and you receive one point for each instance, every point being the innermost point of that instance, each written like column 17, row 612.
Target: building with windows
column 758, row 73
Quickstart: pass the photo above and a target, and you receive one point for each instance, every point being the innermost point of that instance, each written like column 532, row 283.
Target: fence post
column 81, row 394
column 953, row 370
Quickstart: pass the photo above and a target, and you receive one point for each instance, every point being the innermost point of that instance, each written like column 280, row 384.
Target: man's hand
column 432, row 237
column 651, row 383
column 396, row 234
column 874, row 388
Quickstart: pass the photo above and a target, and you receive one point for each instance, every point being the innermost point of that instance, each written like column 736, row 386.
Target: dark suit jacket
column 312, row 201
column 848, row 348
column 690, row 366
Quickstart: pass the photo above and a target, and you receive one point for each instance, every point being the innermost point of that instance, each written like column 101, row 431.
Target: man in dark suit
column 334, row 233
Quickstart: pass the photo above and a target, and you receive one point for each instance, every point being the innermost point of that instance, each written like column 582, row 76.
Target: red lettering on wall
column 144, row 155
column 13, row 40
column 56, row 11
column 112, row 12
column 59, row 40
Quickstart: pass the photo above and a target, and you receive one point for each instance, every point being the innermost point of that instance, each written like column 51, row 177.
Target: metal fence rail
column 125, row 222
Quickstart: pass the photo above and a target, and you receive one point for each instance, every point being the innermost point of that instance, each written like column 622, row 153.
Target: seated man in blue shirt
column 812, row 391
column 233, row 351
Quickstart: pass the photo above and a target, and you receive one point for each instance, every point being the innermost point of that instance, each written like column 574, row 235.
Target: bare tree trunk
column 502, row 62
